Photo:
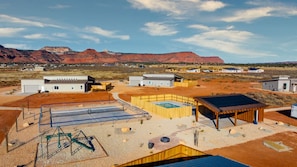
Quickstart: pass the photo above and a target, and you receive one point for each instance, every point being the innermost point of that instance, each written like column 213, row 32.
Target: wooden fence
column 146, row 103
column 178, row 151
column 186, row 83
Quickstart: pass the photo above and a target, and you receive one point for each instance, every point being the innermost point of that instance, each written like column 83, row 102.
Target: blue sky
column 238, row 31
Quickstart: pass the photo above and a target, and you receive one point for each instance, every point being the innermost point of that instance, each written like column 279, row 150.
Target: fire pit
column 165, row 139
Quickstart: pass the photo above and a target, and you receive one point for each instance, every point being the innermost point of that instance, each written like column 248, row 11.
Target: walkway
column 115, row 95
column 277, row 109
column 10, row 108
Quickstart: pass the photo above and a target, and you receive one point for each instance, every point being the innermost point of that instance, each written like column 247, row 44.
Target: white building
column 193, row 70
column 156, row 80
column 255, row 70
column 32, row 85
column 232, row 70
column 281, row 83
column 38, row 68
column 57, row 84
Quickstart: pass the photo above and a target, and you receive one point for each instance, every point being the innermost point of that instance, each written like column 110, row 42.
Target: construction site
column 121, row 127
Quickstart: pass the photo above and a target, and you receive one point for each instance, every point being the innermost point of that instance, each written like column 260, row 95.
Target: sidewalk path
column 126, row 104
column 277, row 109
column 10, row 108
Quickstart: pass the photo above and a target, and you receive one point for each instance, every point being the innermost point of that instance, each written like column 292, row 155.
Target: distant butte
column 65, row 55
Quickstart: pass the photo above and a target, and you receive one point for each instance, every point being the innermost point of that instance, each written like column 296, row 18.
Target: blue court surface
column 90, row 115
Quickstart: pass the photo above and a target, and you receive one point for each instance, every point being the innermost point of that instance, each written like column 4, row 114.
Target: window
column 56, row 87
column 81, row 87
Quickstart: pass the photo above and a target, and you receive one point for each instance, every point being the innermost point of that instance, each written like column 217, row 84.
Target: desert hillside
column 10, row 55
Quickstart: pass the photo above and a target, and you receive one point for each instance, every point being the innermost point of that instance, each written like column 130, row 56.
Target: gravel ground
column 114, row 144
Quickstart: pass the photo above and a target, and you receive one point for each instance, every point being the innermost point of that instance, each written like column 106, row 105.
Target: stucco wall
column 65, row 87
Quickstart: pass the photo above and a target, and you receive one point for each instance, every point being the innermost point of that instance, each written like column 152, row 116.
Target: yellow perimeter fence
column 145, row 102
column 186, row 83
column 178, row 151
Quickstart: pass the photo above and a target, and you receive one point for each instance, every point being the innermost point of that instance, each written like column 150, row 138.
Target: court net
column 73, row 112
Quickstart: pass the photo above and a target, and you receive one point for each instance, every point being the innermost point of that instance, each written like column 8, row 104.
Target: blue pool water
column 167, row 105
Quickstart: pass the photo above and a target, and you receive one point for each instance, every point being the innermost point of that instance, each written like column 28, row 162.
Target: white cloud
column 229, row 41
column 249, row 15
column 159, row 29
column 284, row 10
column 36, row 36
column 59, row 6
column 106, row 33
column 201, row 27
column 177, row 7
column 157, row 6
column 91, row 38
column 11, row 19
column 262, row 9
column 61, row 35
column 230, row 27
column 16, row 46
column 211, row 5
column 228, row 35
column 10, row 32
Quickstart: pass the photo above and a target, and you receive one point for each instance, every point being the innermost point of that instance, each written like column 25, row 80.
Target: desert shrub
column 273, row 99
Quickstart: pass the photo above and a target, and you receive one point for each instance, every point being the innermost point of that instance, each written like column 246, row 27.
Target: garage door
column 31, row 88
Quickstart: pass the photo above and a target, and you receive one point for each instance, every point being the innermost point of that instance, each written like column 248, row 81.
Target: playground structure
column 81, row 139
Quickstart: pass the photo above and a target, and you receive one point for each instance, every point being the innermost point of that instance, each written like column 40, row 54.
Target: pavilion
column 237, row 105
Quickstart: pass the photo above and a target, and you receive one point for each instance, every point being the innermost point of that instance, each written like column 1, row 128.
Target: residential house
column 57, row 84
column 281, row 83
column 156, row 80
column 255, row 70
column 232, row 70
column 193, row 70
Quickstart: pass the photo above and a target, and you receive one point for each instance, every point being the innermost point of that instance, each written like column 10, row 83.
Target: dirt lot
column 7, row 119
column 255, row 154
column 204, row 87
column 252, row 153
column 282, row 116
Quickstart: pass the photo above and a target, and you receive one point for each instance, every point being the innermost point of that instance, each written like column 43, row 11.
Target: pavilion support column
column 235, row 119
column 256, row 116
column 217, row 118
column 6, row 139
column 197, row 112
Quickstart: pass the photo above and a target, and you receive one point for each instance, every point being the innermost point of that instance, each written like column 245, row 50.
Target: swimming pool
column 167, row 105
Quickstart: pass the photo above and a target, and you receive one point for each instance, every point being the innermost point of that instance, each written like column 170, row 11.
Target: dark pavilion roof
column 229, row 103
column 210, row 161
